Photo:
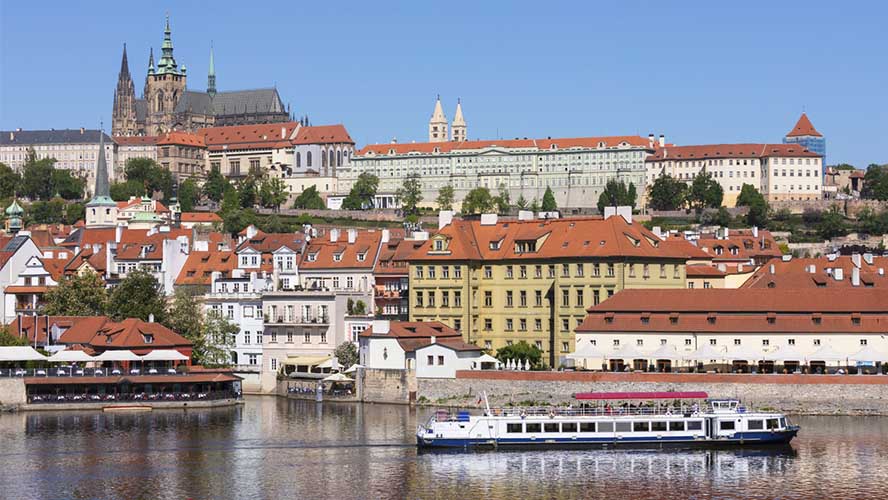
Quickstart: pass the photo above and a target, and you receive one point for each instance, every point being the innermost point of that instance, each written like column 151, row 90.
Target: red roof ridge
column 803, row 127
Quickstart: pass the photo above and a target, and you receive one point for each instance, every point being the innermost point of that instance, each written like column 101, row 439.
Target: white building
column 132, row 147
column 19, row 262
column 342, row 260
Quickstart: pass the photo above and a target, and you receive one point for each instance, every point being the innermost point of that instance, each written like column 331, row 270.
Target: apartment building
column 504, row 281
column 342, row 260
column 183, row 154
column 391, row 274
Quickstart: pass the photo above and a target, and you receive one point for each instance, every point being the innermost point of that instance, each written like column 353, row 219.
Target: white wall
column 381, row 353
column 453, row 361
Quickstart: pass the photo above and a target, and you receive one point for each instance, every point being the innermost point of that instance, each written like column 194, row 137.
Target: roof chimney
column 283, row 132
column 11, row 136
column 488, row 219
column 151, row 318
column 772, row 269
column 838, row 274
column 855, row 276
column 352, row 235
column 662, row 141
column 334, row 235
column 855, row 259
column 651, row 141
column 386, row 235
column 82, row 131
column 445, row 217
column 433, row 339
column 755, row 231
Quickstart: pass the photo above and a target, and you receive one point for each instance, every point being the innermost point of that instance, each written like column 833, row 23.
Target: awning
column 744, row 354
column 164, row 355
column 704, row 353
column 826, row 353
column 785, row 353
column 118, row 356
column 867, row 353
column 487, row 358
column 608, row 396
column 70, row 356
column 305, row 360
column 20, row 353
column 665, row 351
column 353, row 368
column 626, row 352
column 330, row 363
column 338, row 377
column 586, row 350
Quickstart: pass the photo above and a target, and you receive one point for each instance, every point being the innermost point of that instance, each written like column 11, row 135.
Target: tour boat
column 605, row 420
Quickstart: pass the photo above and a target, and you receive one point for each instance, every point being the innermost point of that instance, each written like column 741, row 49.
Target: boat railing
column 586, row 411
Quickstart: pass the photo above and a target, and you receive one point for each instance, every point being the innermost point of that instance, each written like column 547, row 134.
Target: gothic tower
column 164, row 86
column 101, row 211
column 211, row 76
column 438, row 124
column 123, row 116
column 458, row 129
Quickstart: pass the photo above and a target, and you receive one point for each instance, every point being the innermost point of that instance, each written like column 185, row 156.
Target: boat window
column 624, row 426
column 756, row 425
column 658, row 426
column 550, row 427
column 695, row 425
column 726, row 425
column 783, row 422
column 533, row 427
column 773, row 423
column 569, row 427
column 677, row 426
column 641, row 426
column 605, row 426
column 513, row 428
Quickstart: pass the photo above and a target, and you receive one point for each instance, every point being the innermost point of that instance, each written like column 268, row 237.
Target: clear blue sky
column 701, row 72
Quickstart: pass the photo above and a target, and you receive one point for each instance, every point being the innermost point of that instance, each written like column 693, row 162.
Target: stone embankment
column 794, row 394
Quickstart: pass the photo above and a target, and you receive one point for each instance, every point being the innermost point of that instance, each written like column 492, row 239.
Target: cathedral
column 167, row 104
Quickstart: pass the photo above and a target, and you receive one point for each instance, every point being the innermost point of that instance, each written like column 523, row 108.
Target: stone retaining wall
column 12, row 393
column 796, row 394
column 385, row 386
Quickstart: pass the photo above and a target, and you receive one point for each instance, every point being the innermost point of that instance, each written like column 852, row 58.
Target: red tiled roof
column 393, row 256
column 536, row 144
column 199, row 266
column 181, row 138
column 269, row 242
column 796, row 274
column 137, row 140
column 101, row 333
column 95, row 259
column 803, row 127
column 707, row 151
column 323, row 134
column 197, row 217
column 14, row 289
column 256, row 136
column 412, row 335
column 702, row 271
column 28, row 325
column 321, row 253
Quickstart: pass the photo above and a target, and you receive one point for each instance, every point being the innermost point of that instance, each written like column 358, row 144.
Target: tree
column 870, row 222
column 214, row 187
column 248, row 191
column 77, row 295
column 10, row 181
column 521, row 203
column 362, row 193
column 758, row 207
column 549, row 204
column 346, row 354
column 502, row 201
column 74, row 212
column 666, row 193
column 66, row 185
column 235, row 221
column 273, row 193
column 360, row 308
column 832, row 224
column 309, row 199
column 47, row 212
column 8, row 339
column 274, row 224
column 616, row 194
column 445, row 197
column 138, row 295
column 151, row 176
column 410, row 194
column 123, row 191
column 37, row 177
column 211, row 335
column 189, row 195
column 875, row 183
column 534, row 205
column 477, row 201
column 705, row 192
column 520, row 352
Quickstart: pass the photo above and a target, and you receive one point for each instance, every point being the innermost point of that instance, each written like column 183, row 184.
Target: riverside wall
column 794, row 394
column 12, row 393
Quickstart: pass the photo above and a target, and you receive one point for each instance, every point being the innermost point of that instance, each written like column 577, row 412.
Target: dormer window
column 312, row 256
column 337, row 257
column 525, row 246
column 362, row 256
column 495, row 245
column 147, row 338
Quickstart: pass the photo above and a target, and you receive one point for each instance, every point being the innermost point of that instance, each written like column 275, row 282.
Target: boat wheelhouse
column 610, row 420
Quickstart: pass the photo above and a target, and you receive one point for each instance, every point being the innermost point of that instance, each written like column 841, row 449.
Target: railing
column 142, row 397
column 85, row 372
column 247, row 368
column 597, row 411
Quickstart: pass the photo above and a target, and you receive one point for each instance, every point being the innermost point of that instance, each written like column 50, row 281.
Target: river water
column 284, row 449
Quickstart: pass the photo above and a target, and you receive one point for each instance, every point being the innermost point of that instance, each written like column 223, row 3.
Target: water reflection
column 278, row 448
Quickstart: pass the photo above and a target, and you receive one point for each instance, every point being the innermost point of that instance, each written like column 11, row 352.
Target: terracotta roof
column 576, row 237
column 256, row 136
column 159, row 207
column 796, row 274
column 197, row 217
column 102, row 334
column 412, row 335
column 720, row 151
column 803, row 127
column 147, row 247
column 702, row 271
column 199, row 266
column 181, row 138
column 14, row 289
column 84, row 236
column 321, row 253
column 534, row 144
column 137, row 140
column 28, row 325
column 94, row 257
column 269, row 242
column 323, row 134
column 393, row 256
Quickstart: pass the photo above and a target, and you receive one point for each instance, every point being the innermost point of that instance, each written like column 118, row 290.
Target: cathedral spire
column 438, row 123
column 167, row 63
column 124, row 64
column 211, row 76
column 151, row 61
column 458, row 128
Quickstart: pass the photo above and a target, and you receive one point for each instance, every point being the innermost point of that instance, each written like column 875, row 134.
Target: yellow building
column 502, row 282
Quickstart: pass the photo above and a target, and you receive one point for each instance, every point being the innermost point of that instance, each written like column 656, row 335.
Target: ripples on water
column 275, row 448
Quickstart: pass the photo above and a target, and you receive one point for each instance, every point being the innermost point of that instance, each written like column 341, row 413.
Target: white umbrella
column 353, row 368
column 338, row 377
column 627, row 352
column 867, row 353
column 665, row 351
column 70, row 356
column 826, row 353
column 124, row 355
column 164, row 355
column 526, row 365
column 331, row 363
column 786, row 353
column 741, row 353
column 587, row 350
column 704, row 353
column 20, row 353
column 510, row 365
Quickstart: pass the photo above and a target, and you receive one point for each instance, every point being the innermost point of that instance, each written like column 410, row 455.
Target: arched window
column 332, row 158
column 308, row 159
column 158, row 101
column 298, row 160
column 323, row 159
column 339, row 158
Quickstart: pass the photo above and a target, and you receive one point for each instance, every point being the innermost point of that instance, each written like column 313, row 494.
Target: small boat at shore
column 127, row 408
column 641, row 419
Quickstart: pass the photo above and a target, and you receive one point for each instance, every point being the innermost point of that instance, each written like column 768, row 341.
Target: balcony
column 299, row 320
column 247, row 368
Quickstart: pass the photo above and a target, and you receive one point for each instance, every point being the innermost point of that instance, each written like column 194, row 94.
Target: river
column 277, row 448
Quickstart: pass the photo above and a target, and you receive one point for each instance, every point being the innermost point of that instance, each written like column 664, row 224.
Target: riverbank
column 794, row 394
column 130, row 406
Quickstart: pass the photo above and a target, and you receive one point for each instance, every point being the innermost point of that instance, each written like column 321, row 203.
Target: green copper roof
column 15, row 208
column 101, row 201
column 167, row 63
column 103, row 189
column 145, row 217
column 211, row 76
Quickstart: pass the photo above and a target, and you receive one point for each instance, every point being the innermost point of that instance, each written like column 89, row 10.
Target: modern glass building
column 805, row 134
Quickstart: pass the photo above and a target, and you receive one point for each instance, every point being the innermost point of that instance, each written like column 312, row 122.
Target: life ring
column 551, row 413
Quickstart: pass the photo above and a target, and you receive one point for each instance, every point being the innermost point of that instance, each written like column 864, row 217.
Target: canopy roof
column 353, row 368
column 338, row 377
column 164, row 355
column 705, row 353
column 70, row 356
column 742, row 353
column 785, row 353
column 665, row 352
column 867, row 353
column 627, row 352
column 826, row 353
column 640, row 395
column 587, row 350
column 20, row 353
column 331, row 363
column 306, row 360
column 487, row 358
column 124, row 355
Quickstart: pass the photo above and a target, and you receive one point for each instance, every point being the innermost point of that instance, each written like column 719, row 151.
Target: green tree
column 211, row 335
column 549, row 204
column 705, row 192
column 445, row 197
column 10, row 181
column 123, row 191
column 8, row 339
column 360, row 308
column 137, row 296
column 666, row 193
column 875, row 182
column 309, row 199
column 616, row 194
column 534, row 205
column 236, row 221
column 842, row 166
column 871, row 222
column 832, row 224
column 248, row 191
column 758, row 207
column 522, row 203
column 47, row 212
column 502, row 201
column 214, row 187
column 410, row 194
column 362, row 193
column 77, row 295
column 346, row 354
column 37, row 177
column 273, row 193
column 66, row 185
column 151, row 176
column 521, row 351
column 74, row 212
column 189, row 195
column 722, row 217
column 274, row 224
column 477, row 201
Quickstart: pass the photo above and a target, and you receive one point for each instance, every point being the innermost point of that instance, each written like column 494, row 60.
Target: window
column 306, row 337
column 565, row 325
column 431, row 299
column 323, row 336
column 538, row 295
column 550, row 427
column 565, row 298
column 445, row 272
column 862, row 341
column 695, row 425
column 713, row 342
column 816, row 341
column 726, row 425
column 565, row 270
column 457, row 272
column 539, row 344
column 766, row 342
column 509, row 299
column 623, row 426
column 513, row 428
column 538, row 271
column 430, row 360
column 246, row 337
column 522, row 324
column 537, row 324
column 533, row 427
column 509, row 324
column 565, row 347
column 676, row 426
column 755, row 425
column 274, row 337
column 616, row 342
column 457, row 298
column 596, row 271
column 509, row 274
column 522, row 298
column 419, row 299
column 488, row 272
column 488, row 298
column 418, row 272
column 603, row 427
column 488, row 324
column 457, row 324
column 440, row 360
column 790, row 341
column 551, row 271
column 641, row 426
column 580, row 297
column 569, row 426
column 610, row 271
column 639, row 343
column 688, row 342
column 431, row 272
column 445, row 298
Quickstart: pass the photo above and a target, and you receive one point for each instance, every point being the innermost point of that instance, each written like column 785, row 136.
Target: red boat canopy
column 599, row 396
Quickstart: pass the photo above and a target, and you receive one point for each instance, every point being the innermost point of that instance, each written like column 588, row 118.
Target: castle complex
column 167, row 104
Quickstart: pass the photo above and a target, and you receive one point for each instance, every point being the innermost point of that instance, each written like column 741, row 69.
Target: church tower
column 438, row 124
column 164, row 86
column 458, row 129
column 123, row 116
column 211, row 76
column 101, row 211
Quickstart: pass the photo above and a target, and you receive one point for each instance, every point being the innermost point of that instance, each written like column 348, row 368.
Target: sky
column 697, row 72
